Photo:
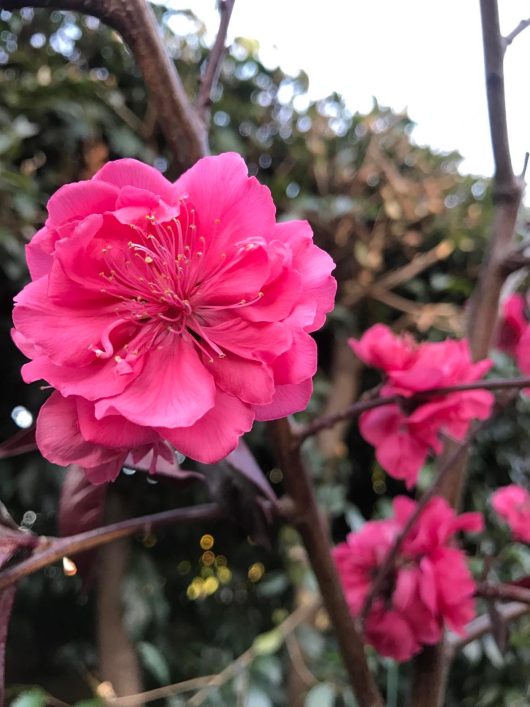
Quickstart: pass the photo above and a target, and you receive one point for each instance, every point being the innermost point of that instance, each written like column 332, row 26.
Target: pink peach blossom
column 513, row 504
column 176, row 312
column 404, row 434
column 430, row 588
column 512, row 324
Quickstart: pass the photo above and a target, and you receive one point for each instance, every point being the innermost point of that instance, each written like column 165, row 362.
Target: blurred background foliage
column 407, row 232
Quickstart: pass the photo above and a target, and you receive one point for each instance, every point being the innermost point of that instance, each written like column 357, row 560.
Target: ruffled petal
column 287, row 400
column 216, row 434
column 174, row 389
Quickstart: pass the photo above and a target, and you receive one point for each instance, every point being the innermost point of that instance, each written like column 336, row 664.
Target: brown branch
column 117, row 658
column 523, row 24
column 388, row 563
column 183, row 128
column 315, row 538
column 357, row 408
column 215, row 59
column 507, row 190
column 56, row 548
column 482, row 625
column 159, row 693
column 503, row 592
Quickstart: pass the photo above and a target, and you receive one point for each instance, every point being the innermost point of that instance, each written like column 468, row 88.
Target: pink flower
column 404, row 434
column 430, row 587
column 381, row 348
column 513, row 504
column 512, row 324
column 168, row 312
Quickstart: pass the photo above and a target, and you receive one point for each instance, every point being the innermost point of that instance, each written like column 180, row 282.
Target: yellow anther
column 118, row 359
column 148, row 259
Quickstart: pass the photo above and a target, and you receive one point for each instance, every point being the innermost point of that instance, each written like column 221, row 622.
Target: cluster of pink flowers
column 168, row 314
column 430, row 586
column 404, row 434
column 513, row 504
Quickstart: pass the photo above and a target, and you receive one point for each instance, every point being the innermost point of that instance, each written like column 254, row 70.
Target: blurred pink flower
column 404, row 434
column 430, row 587
column 513, row 504
column 169, row 312
column 512, row 323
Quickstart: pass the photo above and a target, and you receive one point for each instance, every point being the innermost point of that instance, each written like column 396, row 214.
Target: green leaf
column 32, row 698
column 322, row 695
column 268, row 642
column 154, row 662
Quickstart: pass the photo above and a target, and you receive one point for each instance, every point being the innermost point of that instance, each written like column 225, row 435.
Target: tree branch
column 503, row 592
column 215, row 60
column 56, row 548
column 356, row 409
column 314, row 535
column 523, row 24
column 482, row 625
column 183, row 128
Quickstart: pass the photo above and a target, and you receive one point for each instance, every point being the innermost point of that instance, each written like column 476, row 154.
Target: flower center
column 156, row 281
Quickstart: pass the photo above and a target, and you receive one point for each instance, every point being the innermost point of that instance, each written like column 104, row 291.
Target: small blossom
column 168, row 313
column 404, row 434
column 513, row 504
column 430, row 587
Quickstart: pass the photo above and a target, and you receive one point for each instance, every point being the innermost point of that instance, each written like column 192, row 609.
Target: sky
column 418, row 55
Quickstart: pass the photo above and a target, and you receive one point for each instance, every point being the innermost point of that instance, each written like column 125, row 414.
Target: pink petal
column 216, row 434
column 73, row 202
column 132, row 173
column 287, row 400
column 174, row 389
column 59, row 438
column 112, row 431
column 250, row 381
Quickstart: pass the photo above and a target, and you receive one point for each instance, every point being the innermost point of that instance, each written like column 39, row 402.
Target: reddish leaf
column 20, row 443
column 242, row 460
column 81, row 508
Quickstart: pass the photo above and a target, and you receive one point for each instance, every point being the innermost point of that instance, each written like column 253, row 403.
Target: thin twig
column 482, row 625
column 215, row 59
column 523, row 24
column 283, row 630
column 503, row 592
column 160, row 692
column 356, row 409
column 57, row 548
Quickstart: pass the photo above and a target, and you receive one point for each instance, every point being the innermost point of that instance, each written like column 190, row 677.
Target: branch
column 134, row 20
column 356, row 409
column 57, row 548
column 482, row 625
column 503, row 592
column 388, row 563
column 523, row 24
column 215, row 59
column 314, row 535
column 507, row 191
column 284, row 629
